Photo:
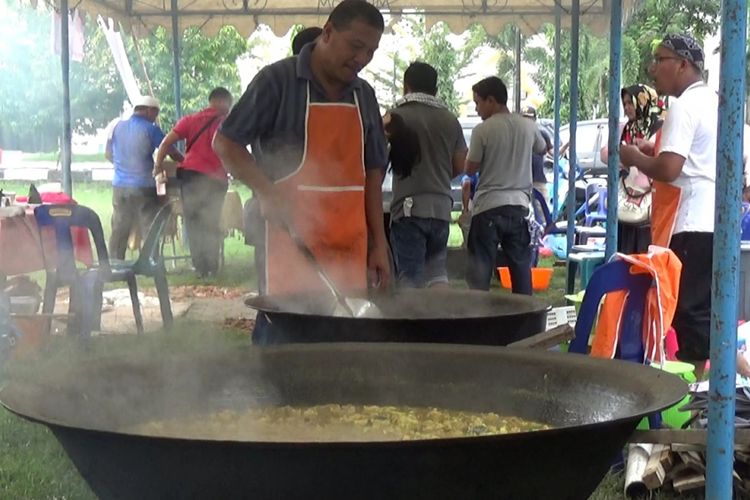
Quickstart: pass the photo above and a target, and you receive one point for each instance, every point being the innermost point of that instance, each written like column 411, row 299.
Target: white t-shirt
column 690, row 131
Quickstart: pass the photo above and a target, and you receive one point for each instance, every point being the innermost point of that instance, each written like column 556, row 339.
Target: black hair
column 350, row 10
column 421, row 77
column 304, row 37
column 492, row 87
column 405, row 151
column 219, row 93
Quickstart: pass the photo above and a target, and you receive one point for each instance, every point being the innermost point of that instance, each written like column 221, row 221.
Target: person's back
column 500, row 151
column 422, row 202
column 503, row 145
column 133, row 143
column 429, row 185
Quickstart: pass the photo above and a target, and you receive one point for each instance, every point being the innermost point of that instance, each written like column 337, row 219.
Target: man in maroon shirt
column 203, row 180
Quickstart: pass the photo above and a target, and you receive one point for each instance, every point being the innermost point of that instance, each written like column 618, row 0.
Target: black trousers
column 131, row 206
column 202, row 201
column 692, row 320
column 506, row 226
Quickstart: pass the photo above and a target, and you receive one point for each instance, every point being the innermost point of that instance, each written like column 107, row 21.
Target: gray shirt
column 271, row 115
column 502, row 145
column 429, row 185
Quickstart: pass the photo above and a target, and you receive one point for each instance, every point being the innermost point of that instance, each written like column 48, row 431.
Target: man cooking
column 319, row 152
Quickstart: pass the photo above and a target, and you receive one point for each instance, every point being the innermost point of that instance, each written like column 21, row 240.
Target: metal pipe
column 66, row 142
column 574, row 34
column 176, row 36
column 592, row 12
column 517, row 73
column 726, row 251
column 556, row 148
column 613, row 156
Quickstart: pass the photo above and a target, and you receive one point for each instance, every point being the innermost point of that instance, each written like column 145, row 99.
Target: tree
column 593, row 77
column 448, row 60
column 30, row 82
column 657, row 17
column 206, row 63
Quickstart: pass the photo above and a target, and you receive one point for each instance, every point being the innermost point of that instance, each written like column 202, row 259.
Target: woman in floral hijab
column 645, row 111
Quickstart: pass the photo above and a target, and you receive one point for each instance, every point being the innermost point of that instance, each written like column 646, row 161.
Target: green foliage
column 593, row 77
column 505, row 43
column 30, row 76
column 656, row 18
column 206, row 63
column 448, row 61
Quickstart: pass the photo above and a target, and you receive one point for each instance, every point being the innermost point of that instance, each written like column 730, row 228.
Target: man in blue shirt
column 131, row 150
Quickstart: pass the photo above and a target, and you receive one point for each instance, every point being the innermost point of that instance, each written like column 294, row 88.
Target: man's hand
column 645, row 146
column 158, row 169
column 629, row 155
column 378, row 267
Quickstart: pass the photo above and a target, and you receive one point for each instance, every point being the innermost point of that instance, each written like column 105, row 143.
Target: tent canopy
column 281, row 15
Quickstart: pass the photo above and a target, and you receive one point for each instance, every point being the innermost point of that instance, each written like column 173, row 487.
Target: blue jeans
column 506, row 226
column 420, row 251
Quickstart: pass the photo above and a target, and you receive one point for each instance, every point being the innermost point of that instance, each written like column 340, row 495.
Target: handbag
column 634, row 198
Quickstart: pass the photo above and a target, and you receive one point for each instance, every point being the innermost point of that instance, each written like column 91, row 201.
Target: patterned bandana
column 427, row 99
column 686, row 47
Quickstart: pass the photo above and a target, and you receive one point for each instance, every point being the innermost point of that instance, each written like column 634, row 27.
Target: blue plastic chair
column 150, row 262
column 611, row 277
column 86, row 284
column 599, row 213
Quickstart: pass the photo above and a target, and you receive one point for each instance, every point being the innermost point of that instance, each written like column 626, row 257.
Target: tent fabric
column 281, row 15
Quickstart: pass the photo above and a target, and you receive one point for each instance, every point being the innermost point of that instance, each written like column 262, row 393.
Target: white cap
column 146, row 101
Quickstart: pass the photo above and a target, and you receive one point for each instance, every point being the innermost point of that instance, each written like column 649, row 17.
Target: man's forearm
column 374, row 206
column 166, row 147
column 471, row 167
column 652, row 166
column 238, row 161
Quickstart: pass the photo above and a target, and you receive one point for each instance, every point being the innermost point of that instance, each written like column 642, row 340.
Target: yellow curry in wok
column 337, row 422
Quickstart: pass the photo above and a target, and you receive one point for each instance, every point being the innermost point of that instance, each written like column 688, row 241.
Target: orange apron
column 661, row 303
column 327, row 197
column 665, row 200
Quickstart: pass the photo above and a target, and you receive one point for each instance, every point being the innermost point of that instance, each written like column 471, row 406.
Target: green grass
column 238, row 269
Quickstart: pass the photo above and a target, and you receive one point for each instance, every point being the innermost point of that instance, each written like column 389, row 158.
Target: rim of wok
column 670, row 388
column 522, row 305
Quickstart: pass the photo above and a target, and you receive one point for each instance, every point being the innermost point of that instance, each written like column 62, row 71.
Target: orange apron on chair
column 327, row 197
column 665, row 200
column 661, row 302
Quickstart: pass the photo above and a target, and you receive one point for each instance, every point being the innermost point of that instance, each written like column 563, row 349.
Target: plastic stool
column 587, row 262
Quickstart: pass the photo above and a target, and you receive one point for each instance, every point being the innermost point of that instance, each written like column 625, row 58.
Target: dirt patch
column 246, row 324
column 187, row 292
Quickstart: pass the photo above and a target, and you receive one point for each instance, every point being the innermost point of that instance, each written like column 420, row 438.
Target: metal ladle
column 345, row 306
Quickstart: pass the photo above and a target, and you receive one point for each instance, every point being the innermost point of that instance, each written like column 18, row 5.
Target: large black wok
column 594, row 405
column 437, row 316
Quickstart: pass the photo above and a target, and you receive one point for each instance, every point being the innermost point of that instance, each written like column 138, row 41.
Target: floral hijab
column 650, row 111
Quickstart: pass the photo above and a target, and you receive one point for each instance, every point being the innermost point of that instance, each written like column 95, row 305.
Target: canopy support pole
column 556, row 148
column 517, row 73
column 726, row 251
column 66, row 155
column 176, row 35
column 556, row 139
column 613, row 156
column 574, row 39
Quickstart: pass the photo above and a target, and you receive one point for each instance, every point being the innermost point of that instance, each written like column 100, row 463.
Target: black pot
column 593, row 404
column 437, row 316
